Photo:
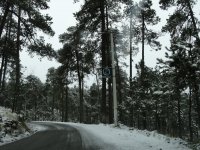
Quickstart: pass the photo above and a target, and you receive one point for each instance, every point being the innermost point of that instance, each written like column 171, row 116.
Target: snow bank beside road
column 91, row 140
column 108, row 137
column 125, row 139
column 7, row 114
column 10, row 128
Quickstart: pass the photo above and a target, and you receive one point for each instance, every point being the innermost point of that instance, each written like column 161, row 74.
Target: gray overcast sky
column 62, row 13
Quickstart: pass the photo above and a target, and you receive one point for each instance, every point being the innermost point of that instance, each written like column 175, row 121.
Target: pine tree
column 183, row 31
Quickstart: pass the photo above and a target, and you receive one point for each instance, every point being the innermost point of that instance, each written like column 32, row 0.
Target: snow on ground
column 7, row 133
column 11, row 138
column 7, row 114
column 107, row 137
column 35, row 128
column 124, row 139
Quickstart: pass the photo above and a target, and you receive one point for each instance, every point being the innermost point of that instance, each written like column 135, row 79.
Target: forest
column 165, row 98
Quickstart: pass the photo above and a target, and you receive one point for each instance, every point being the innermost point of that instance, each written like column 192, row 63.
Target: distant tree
column 92, row 104
column 33, row 98
column 55, row 86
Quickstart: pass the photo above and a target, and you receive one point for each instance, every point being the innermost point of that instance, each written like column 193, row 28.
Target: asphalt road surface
column 57, row 137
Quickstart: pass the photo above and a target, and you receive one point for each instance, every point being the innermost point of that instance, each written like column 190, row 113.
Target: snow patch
column 122, row 138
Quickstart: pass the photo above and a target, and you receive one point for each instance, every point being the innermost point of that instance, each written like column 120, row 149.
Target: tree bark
column 3, row 21
column 142, row 62
column 53, row 99
column 119, row 85
column 130, row 78
column 9, row 30
column 142, row 71
column 66, row 104
column 178, row 98
column 103, row 55
column 3, row 63
column 1, row 69
column 196, row 96
column 193, row 21
column 81, row 113
column 190, row 114
column 17, row 61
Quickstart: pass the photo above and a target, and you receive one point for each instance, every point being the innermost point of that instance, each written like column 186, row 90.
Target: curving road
column 57, row 137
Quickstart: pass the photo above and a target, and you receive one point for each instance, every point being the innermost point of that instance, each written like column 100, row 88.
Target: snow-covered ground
column 124, row 139
column 6, row 115
column 107, row 137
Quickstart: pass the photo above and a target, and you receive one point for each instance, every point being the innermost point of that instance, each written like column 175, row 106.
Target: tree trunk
column 7, row 36
column 17, row 61
column 190, row 114
column 53, row 100
column 142, row 62
column 9, row 30
column 193, row 21
column 62, row 103
column 142, row 71
column 99, row 98
column 3, row 20
column 196, row 96
column 110, row 91
column 103, row 55
column 119, row 88
column 179, row 116
column 130, row 78
column 1, row 69
column 178, row 98
column 35, row 109
column 110, row 101
column 66, row 104
column 78, row 59
column 4, row 73
column 82, row 95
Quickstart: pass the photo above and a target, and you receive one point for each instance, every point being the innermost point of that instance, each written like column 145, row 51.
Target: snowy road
column 75, row 136
column 56, row 137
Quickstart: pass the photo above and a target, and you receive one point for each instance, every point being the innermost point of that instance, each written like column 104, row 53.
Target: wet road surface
column 57, row 137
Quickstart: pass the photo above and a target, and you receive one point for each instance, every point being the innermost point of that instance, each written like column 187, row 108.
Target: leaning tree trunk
column 3, row 20
column 193, row 21
column 4, row 55
column 9, row 30
column 2, row 73
column 1, row 69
